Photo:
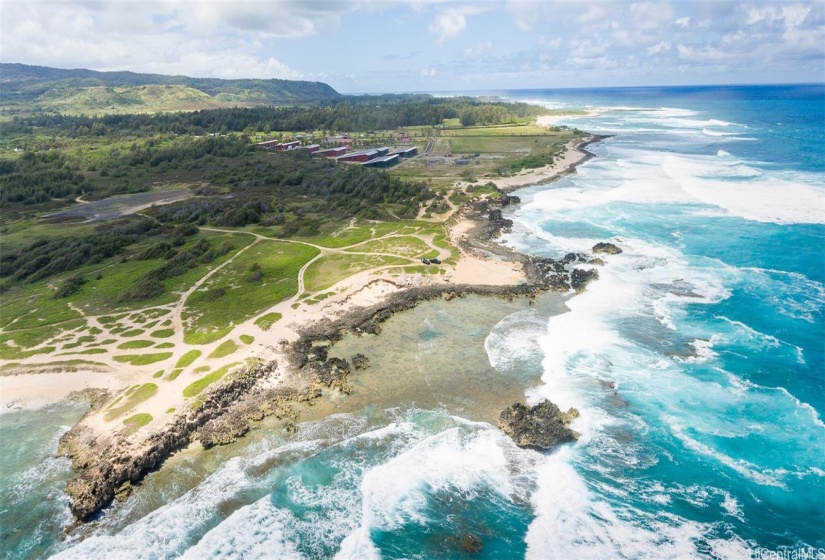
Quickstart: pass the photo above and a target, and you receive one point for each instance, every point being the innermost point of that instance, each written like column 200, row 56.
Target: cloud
column 658, row 48
column 450, row 23
column 146, row 37
column 480, row 50
column 594, row 41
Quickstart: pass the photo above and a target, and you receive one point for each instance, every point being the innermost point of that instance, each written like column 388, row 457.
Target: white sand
column 570, row 158
column 35, row 390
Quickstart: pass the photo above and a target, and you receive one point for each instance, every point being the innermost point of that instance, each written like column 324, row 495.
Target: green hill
column 25, row 89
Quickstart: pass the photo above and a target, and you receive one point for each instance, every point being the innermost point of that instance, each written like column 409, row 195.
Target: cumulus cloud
column 451, row 22
column 657, row 41
column 637, row 41
column 479, row 50
column 661, row 47
column 172, row 37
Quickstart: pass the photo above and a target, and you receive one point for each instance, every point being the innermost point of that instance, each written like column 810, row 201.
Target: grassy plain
column 237, row 292
column 328, row 271
column 198, row 386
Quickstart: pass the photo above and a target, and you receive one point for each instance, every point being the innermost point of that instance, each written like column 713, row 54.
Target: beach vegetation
column 132, row 344
column 142, row 359
column 86, row 351
column 224, row 349
column 405, row 246
column 187, row 359
column 198, row 386
column 247, row 339
column 136, row 395
column 136, row 422
column 215, row 305
column 331, row 269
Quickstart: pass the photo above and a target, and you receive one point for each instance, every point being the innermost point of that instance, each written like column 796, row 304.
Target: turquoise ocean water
column 697, row 362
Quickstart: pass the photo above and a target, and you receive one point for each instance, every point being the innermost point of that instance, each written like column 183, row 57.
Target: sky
column 371, row 46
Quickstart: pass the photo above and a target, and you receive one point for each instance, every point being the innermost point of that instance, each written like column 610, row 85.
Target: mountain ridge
column 81, row 91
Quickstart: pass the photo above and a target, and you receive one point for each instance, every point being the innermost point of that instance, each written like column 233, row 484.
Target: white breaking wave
column 514, row 339
column 254, row 532
column 746, row 192
column 572, row 523
column 166, row 532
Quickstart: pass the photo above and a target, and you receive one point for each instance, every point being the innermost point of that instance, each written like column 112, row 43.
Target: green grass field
column 187, row 359
column 132, row 344
column 198, row 386
column 224, row 349
column 266, row 321
column 328, row 271
column 133, row 397
column 142, row 359
column 136, row 422
column 236, row 293
column 162, row 333
column 406, row 246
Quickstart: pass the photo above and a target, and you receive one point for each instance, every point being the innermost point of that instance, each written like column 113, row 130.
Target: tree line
column 38, row 177
column 353, row 114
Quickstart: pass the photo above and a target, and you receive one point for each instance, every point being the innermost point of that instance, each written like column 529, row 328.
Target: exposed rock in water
column 471, row 543
column 360, row 361
column 123, row 491
column 222, row 430
column 506, row 199
column 496, row 223
column 607, row 248
column 543, row 426
column 106, row 464
column 580, row 278
column 555, row 275
column 331, row 373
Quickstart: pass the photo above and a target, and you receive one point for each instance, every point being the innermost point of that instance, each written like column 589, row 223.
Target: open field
column 259, row 278
column 485, row 152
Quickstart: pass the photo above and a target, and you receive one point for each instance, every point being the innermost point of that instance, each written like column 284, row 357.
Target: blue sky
column 428, row 45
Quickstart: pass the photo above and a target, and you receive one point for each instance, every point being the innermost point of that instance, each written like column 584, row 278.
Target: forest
column 352, row 114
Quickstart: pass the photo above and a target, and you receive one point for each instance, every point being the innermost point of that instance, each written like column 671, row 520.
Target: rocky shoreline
column 108, row 464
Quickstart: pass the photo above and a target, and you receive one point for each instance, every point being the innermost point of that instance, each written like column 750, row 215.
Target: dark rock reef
column 543, row 426
column 606, row 248
column 107, row 462
column 557, row 274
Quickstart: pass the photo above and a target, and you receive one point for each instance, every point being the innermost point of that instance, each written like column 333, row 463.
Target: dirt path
column 363, row 287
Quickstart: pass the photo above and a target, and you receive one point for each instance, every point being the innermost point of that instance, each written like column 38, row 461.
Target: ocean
column 696, row 362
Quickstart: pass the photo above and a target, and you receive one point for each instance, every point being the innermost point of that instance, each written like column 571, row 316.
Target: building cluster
column 278, row 146
column 369, row 157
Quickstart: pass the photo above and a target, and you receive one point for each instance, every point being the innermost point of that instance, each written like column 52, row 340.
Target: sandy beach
column 573, row 155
